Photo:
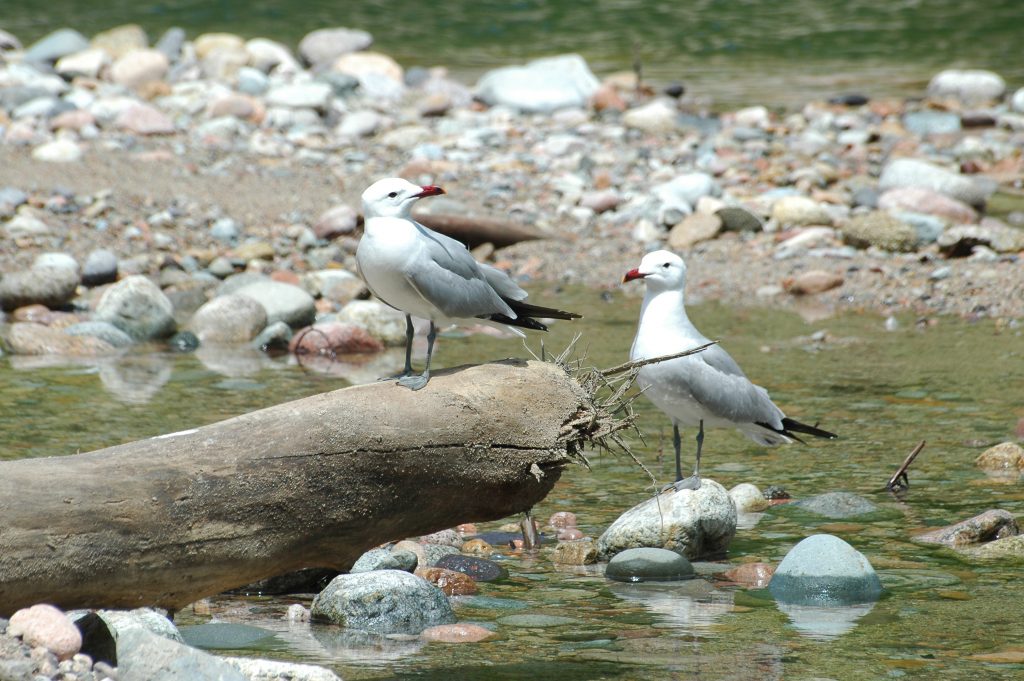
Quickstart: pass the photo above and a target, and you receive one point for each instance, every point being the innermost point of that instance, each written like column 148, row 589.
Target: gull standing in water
column 704, row 389
column 429, row 275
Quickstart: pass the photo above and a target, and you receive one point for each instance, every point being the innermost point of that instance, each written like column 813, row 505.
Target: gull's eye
column 392, row 195
column 666, row 265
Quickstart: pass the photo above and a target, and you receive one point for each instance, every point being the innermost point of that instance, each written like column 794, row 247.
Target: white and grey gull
column 432, row 276
column 706, row 389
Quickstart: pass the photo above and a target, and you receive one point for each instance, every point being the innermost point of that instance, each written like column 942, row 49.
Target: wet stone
column 825, row 570
column 837, row 505
column 648, row 565
column 574, row 553
column 988, row 526
column 224, row 635
column 480, row 569
column 536, row 621
column 1006, row 456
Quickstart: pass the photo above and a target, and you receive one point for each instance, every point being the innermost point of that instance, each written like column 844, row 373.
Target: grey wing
column 726, row 394
column 718, row 358
column 450, row 279
column 502, row 283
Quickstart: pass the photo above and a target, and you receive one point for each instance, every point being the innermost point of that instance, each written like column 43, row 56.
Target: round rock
column 384, row 602
column 49, row 286
column 100, row 267
column 695, row 523
column 46, row 626
column 229, row 319
column 480, row 569
column 282, row 302
column 837, row 505
column 648, row 565
column 748, row 498
column 825, row 570
column 138, row 307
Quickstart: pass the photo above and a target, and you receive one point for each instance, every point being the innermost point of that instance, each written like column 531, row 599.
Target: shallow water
column 737, row 52
column 954, row 384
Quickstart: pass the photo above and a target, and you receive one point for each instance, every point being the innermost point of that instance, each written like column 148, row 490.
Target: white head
column 393, row 197
column 661, row 271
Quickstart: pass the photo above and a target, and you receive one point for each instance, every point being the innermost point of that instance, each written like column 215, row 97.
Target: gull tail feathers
column 791, row 426
column 525, row 313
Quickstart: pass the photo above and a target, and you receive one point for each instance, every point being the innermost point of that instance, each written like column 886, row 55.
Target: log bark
column 310, row 483
column 476, row 230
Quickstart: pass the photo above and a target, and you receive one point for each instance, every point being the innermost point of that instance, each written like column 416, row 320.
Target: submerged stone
column 540, row 621
column 480, row 569
column 224, row 635
column 837, row 505
column 648, row 565
column 825, row 570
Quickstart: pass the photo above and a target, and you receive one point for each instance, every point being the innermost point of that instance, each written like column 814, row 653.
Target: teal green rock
column 648, row 565
column 825, row 570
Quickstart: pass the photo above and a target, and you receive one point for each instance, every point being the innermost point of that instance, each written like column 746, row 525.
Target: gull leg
column 531, row 538
column 417, row 382
column 408, row 352
column 692, row 482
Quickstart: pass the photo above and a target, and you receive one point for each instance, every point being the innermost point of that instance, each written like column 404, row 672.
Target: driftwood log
column 476, row 230
column 310, row 483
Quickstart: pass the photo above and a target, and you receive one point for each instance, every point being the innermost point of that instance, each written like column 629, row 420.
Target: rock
column 1006, row 456
column 582, row 552
column 1017, row 101
column 337, row 338
column 26, row 338
column 825, row 570
column 325, row 45
column 748, row 498
column 49, row 286
column 383, row 601
column 959, row 241
column 536, row 621
column 226, row 230
column 339, row 286
column 970, row 86
column 480, row 569
column 797, row 211
column 456, row 633
column 276, row 670
column 682, row 193
column 837, row 505
column 451, row 582
column 654, row 117
column 171, row 42
column 121, row 40
column 139, row 67
column 811, row 282
column 920, row 200
column 100, row 267
column 384, row 323
column 607, row 98
column 85, row 64
column 138, row 307
column 909, row 172
column 9, row 42
column 541, row 86
column 336, row 221
column 310, row 95
column 694, row 229
column 648, row 565
column 477, row 547
column 26, row 224
column 750, row 575
column 223, row 635
column 739, row 219
column 105, row 331
column 143, row 119
column 268, row 55
column 46, row 626
column 11, row 198
column 58, row 151
column 601, row 201
column 359, row 124
column 929, row 122
column 880, row 229
column 365, row 66
column 141, row 654
column 232, row 318
column 253, row 250
column 562, row 519
column 984, row 527
column 60, row 43
column 252, row 82
column 283, row 302
column 1000, row 549
column 380, row 559
column 275, row 336
column 695, row 523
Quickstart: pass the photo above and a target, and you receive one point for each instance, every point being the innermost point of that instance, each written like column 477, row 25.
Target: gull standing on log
column 430, row 275
column 704, row 389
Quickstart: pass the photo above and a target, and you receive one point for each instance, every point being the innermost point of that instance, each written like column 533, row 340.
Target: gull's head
column 393, row 197
column 660, row 270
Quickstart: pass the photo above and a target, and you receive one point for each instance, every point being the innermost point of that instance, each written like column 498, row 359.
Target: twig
column 654, row 360
column 899, row 482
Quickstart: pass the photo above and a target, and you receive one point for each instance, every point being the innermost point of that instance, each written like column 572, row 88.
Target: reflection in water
column 692, row 606
column 360, row 647
column 357, row 369
column 135, row 379
column 824, row 622
column 233, row 361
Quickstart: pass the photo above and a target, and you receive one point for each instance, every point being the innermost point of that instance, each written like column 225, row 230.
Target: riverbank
column 192, row 152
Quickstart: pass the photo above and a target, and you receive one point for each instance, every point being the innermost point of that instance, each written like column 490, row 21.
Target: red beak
column 429, row 190
column 632, row 274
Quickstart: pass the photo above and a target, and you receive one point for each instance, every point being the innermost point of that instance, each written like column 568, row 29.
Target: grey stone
column 121, row 622
column 436, row 552
column 232, row 318
column 171, row 42
column 541, row 86
column 383, row 601
column 56, row 260
column 58, row 151
column 100, row 267
column 1001, row 549
column 970, row 86
column 985, row 527
column 236, row 282
column 658, row 116
column 384, row 323
column 1017, row 101
column 928, row 227
column 223, row 635
column 739, row 219
column 226, row 230
column 138, row 307
column 866, row 197
column 103, row 330
column 695, row 523
column 324, row 45
column 533, row 621
column 959, row 241
column 910, row 172
column 53, row 46
column 837, row 505
column 274, row 337
column 311, row 95
column 10, row 199
column 142, row 654
column 49, row 286
column 825, row 570
column 252, row 81
column 648, row 565
column 276, row 670
column 283, row 302
column 925, row 123
column 379, row 559
column 684, row 191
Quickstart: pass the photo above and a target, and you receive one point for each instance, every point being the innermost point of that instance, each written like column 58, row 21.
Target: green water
column 954, row 384
column 736, row 51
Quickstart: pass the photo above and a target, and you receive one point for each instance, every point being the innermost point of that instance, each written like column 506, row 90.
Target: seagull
column 429, row 275
column 704, row 389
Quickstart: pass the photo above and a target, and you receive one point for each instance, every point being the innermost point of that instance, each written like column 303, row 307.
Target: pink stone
column 46, row 626
column 562, row 519
column 143, row 119
column 751, row 575
column 76, row 119
column 456, row 633
column 339, row 337
column 920, row 200
column 335, row 222
column 569, row 534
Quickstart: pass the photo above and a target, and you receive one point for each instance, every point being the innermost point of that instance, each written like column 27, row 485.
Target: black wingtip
column 521, row 321
column 790, row 426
